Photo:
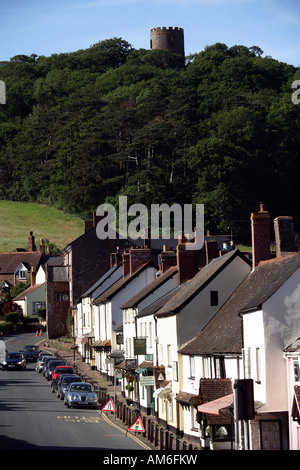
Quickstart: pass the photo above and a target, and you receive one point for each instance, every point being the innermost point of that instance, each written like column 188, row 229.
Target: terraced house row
column 206, row 341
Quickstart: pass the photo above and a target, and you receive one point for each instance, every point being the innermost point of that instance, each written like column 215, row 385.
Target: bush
column 6, row 327
column 11, row 306
column 12, row 317
column 41, row 313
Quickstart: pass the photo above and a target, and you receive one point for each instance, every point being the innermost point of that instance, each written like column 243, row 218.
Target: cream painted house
column 138, row 271
column 139, row 326
column 87, row 328
column 252, row 336
column 271, row 323
column 31, row 299
column 186, row 314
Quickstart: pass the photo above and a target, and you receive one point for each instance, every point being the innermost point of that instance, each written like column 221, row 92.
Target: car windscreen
column 81, row 388
column 48, row 359
column 52, row 366
column 14, row 356
column 69, row 380
column 31, row 348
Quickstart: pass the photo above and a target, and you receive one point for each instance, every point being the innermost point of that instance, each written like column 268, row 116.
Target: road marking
column 79, row 419
column 124, row 431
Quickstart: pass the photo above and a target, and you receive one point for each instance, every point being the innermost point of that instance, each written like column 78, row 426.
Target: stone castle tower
column 170, row 39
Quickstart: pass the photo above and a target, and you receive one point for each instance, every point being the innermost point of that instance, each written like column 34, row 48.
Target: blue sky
column 45, row 27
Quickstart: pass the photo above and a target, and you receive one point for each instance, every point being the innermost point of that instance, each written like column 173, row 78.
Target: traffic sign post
column 109, row 406
column 137, row 426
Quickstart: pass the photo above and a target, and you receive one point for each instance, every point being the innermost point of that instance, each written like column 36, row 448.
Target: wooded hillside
column 82, row 128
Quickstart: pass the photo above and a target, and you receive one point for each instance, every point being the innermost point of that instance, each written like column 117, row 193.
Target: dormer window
column 22, row 272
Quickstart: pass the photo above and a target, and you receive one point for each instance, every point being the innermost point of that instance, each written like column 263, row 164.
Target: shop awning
column 85, row 338
column 187, row 399
column 214, row 407
column 163, row 392
column 104, row 346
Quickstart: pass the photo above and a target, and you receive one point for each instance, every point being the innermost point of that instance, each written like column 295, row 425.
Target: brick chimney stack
column 211, row 250
column 126, row 263
column 42, row 246
column 138, row 257
column 116, row 258
column 260, row 231
column 32, row 277
column 31, row 242
column 284, row 235
column 186, row 261
column 168, row 259
column 89, row 224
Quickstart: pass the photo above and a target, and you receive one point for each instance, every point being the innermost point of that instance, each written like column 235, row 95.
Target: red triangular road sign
column 109, row 406
column 137, row 426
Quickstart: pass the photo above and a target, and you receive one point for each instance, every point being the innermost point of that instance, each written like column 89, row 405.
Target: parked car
column 52, row 365
column 30, row 352
column 40, row 361
column 62, row 370
column 46, row 360
column 62, row 382
column 14, row 360
column 80, row 394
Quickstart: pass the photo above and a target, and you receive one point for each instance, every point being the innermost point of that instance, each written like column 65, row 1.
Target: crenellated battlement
column 164, row 29
column 171, row 39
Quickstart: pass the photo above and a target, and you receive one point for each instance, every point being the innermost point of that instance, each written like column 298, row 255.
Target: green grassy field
column 17, row 219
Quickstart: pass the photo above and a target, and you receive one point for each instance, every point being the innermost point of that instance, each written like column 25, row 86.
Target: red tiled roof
column 26, row 292
column 9, row 262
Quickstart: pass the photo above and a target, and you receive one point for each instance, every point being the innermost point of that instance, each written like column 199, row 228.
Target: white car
column 80, row 394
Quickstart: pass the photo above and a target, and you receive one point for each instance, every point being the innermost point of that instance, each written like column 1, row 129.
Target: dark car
column 14, row 360
column 51, row 366
column 30, row 352
column 62, row 382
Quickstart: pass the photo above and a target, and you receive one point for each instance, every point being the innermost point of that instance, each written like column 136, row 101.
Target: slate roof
column 198, row 282
column 223, row 334
column 150, row 287
column 102, row 279
column 122, row 283
column 158, row 304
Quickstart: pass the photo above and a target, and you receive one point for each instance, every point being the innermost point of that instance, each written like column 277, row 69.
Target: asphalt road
column 33, row 418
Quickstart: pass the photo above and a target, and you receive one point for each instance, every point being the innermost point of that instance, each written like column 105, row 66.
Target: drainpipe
column 235, row 412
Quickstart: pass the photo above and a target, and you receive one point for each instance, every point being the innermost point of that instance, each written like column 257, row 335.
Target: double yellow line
column 132, row 436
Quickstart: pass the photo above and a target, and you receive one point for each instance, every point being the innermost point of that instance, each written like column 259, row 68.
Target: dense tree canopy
column 82, row 128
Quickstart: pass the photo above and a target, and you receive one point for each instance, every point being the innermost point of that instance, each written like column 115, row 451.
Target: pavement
column 84, row 369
